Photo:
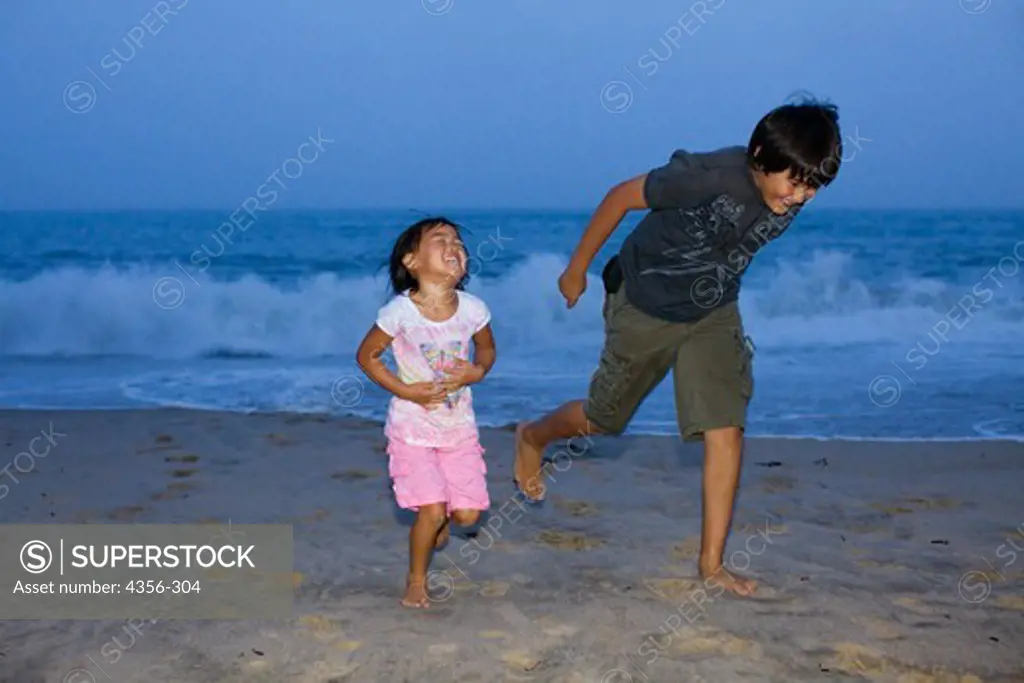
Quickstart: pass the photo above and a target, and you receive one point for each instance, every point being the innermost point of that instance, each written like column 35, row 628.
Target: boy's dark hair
column 408, row 242
column 802, row 138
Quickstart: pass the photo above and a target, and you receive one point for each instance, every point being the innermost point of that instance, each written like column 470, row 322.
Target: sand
column 877, row 561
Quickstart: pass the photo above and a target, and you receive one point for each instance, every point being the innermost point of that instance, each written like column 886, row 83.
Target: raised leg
column 567, row 422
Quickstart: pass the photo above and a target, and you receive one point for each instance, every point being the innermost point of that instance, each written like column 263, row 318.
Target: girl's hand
column 461, row 374
column 428, row 394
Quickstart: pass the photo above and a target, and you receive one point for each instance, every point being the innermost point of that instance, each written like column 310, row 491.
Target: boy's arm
column 372, row 348
column 622, row 198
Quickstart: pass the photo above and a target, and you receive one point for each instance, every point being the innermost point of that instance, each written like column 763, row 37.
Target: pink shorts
column 422, row 475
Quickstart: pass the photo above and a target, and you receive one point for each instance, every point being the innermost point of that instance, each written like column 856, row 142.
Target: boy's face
column 781, row 191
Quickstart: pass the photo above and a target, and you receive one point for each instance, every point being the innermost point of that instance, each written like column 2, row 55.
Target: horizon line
column 439, row 210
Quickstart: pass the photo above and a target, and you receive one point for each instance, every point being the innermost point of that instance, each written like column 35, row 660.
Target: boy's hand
column 572, row 284
column 462, row 374
column 428, row 394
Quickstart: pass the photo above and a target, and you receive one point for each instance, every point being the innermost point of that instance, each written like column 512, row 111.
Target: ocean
column 867, row 324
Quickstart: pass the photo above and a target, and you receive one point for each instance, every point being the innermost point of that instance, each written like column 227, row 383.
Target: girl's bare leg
column 424, row 534
column 442, row 536
column 465, row 517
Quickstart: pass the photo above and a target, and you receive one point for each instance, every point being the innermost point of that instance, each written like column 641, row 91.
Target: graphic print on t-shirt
column 701, row 240
column 441, row 359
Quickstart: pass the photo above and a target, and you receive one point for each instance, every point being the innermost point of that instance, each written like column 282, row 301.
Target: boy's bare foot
column 733, row 583
column 416, row 593
column 527, row 466
column 442, row 536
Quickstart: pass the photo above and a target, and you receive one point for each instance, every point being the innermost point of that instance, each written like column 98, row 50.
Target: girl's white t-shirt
column 424, row 350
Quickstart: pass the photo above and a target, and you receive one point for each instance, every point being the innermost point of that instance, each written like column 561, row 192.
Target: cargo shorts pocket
column 744, row 347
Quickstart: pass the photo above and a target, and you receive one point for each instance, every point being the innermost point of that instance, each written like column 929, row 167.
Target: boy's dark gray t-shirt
column 707, row 220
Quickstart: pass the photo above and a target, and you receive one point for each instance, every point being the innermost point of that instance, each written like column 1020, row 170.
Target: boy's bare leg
column 723, row 452
column 566, row 422
column 422, row 537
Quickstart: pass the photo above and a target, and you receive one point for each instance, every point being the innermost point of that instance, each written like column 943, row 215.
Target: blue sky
column 453, row 103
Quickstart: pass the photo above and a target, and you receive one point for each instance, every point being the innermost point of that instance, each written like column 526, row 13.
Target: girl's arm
column 465, row 373
column 369, row 358
column 484, row 353
column 375, row 343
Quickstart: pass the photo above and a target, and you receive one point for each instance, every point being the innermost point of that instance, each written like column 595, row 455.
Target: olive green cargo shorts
column 711, row 361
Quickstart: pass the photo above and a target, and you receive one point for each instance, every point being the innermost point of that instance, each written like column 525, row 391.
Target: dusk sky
column 519, row 104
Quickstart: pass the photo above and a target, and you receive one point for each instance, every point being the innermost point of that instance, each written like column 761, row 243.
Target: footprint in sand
column 568, row 540
column 857, row 660
column 494, row 589
column 321, row 627
column 126, row 514
column 891, row 509
column 520, row 660
column 868, row 662
column 163, row 442
column 882, row 630
column 494, row 635
column 510, row 547
column 937, row 503
column 175, row 490
column 183, row 473
column 688, row 549
column 776, row 483
column 920, row 608
column 576, row 508
column 1011, row 602
column 561, row 631
column 760, row 528
column 182, row 458
column 85, row 517
column 707, row 641
column 675, row 590
column 280, row 439
column 876, row 564
column 257, row 665
column 866, row 528
column 908, row 505
column 354, row 475
column 919, row 676
column 311, row 518
column 696, row 591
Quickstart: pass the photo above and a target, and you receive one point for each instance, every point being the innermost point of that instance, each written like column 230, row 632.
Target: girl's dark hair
column 803, row 138
column 407, row 243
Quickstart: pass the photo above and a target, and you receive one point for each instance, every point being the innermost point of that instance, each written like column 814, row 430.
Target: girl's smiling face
column 441, row 256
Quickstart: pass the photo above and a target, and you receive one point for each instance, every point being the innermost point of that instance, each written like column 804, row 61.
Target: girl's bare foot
column 527, row 466
column 733, row 583
column 416, row 593
column 442, row 536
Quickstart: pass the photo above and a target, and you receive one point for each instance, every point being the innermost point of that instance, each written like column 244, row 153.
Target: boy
column 671, row 300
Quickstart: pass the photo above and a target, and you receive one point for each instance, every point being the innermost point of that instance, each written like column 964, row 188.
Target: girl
column 434, row 455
